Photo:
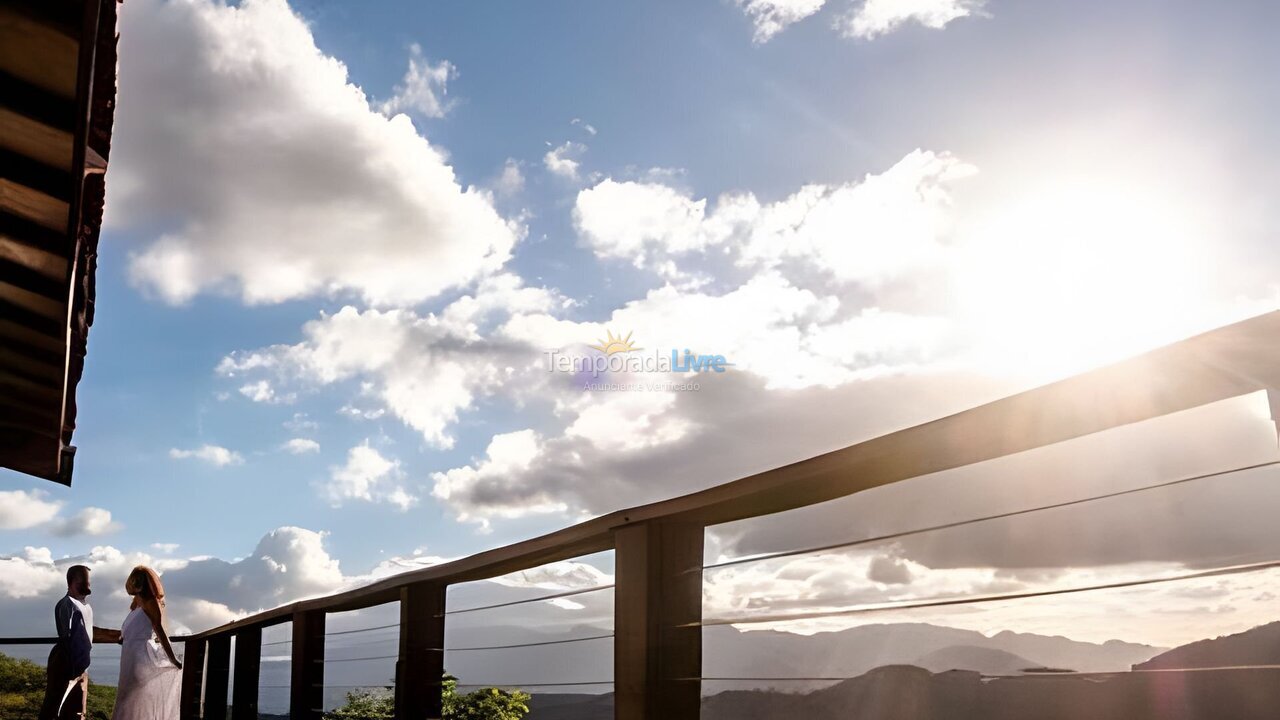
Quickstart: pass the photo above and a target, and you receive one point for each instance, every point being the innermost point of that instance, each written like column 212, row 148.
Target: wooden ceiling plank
column 31, row 138
column 33, row 205
column 31, row 341
column 32, row 302
column 47, row 264
column 37, row 324
column 29, row 367
column 38, row 53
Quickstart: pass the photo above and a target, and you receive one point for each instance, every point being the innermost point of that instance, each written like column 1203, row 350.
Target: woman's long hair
column 144, row 584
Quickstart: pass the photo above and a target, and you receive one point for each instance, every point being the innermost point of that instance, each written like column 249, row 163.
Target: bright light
column 1065, row 279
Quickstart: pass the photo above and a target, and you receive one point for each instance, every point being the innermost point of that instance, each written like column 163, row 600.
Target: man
column 66, row 690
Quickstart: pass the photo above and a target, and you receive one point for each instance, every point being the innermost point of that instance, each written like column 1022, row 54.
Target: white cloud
column 586, row 126
column 166, row 548
column 367, row 476
column 564, row 160
column 511, row 180
column 212, row 454
column 476, row 492
column 626, row 421
column 425, row 370
column 22, row 509
column 301, row 446
column 423, row 87
column 261, row 391
column 89, row 521
column 878, row 17
column 634, row 220
column 868, row 231
column 302, row 188
column 773, row 16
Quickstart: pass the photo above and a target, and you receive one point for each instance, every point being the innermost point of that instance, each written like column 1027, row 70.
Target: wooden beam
column 217, row 673
column 658, row 594
column 244, row 688
column 420, row 667
column 306, row 687
column 192, row 679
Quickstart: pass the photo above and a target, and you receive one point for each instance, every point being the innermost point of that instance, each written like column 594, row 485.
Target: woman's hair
column 144, row 583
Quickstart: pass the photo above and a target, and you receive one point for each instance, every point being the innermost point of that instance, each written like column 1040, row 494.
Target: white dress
column 150, row 685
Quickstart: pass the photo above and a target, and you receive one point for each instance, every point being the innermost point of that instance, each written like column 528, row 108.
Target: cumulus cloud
column 302, row 187
column 874, row 18
column 773, row 16
column 369, row 476
column 300, row 446
column 564, row 160
column 482, row 488
column 425, row 370
column 215, row 455
column 423, row 88
column 89, row 521
column 22, row 509
column 867, row 231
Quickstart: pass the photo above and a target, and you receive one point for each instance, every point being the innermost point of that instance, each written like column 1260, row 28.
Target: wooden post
column 658, row 589
column 306, row 686
column 216, row 674
column 192, row 679
column 244, row 689
column 420, row 668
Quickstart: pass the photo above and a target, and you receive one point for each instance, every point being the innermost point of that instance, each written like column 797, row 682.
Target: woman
column 150, row 674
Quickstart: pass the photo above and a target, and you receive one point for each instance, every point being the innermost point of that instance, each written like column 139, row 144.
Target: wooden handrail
column 1227, row 362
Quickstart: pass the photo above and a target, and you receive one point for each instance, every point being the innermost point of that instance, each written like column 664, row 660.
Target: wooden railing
column 659, row 547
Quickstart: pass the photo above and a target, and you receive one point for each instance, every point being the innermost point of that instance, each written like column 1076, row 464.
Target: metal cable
column 942, row 602
column 1113, row 673
column 540, row 598
column 368, row 629
column 985, row 518
column 357, row 659
column 529, row 644
column 531, row 684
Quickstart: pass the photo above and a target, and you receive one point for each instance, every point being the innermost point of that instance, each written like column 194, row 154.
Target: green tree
column 22, row 691
column 485, row 704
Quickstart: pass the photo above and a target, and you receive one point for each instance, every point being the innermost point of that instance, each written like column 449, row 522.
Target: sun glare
column 1069, row 278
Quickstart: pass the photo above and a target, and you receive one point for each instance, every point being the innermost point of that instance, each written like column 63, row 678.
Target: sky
column 345, row 242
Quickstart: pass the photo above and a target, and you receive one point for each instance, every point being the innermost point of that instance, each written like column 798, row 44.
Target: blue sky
column 974, row 198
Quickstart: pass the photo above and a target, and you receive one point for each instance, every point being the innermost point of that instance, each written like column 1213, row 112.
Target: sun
column 1075, row 276
column 612, row 345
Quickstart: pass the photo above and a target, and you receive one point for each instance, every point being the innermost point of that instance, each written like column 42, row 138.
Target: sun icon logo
column 612, row 345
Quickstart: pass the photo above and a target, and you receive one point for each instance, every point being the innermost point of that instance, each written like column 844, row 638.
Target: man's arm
column 79, row 645
column 105, row 635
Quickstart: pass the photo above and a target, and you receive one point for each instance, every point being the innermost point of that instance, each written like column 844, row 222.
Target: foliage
column 22, row 691
column 486, row 704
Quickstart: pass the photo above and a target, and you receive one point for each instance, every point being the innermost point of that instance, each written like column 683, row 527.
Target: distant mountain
column 569, row 706
column 1258, row 646
column 728, row 652
column 987, row 661
column 911, row 693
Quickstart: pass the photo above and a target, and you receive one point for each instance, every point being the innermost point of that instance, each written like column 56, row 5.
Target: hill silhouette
column 1256, row 646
